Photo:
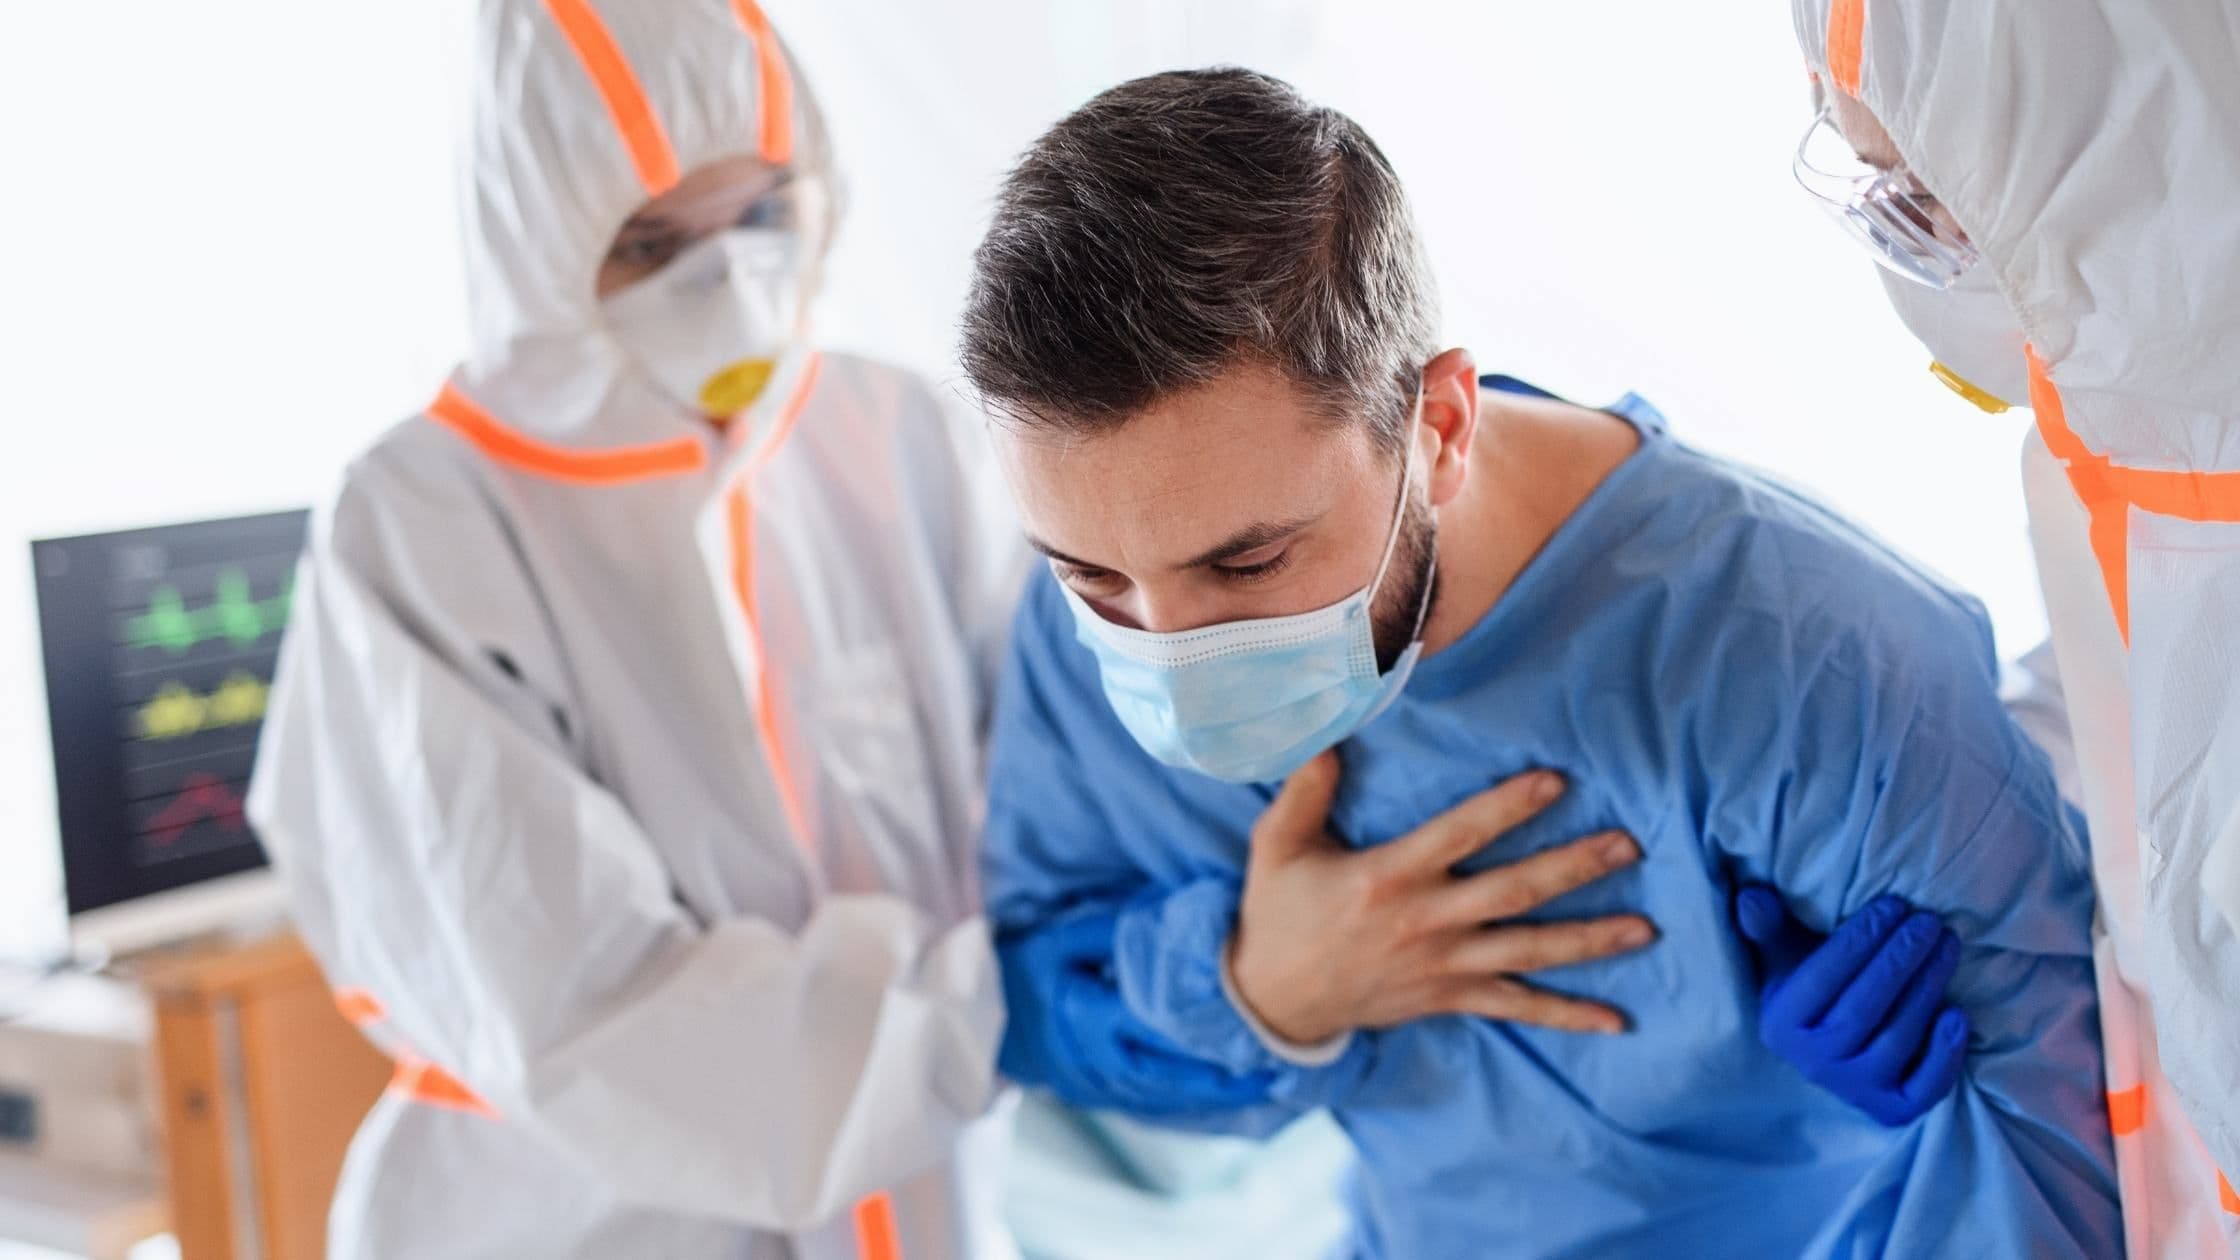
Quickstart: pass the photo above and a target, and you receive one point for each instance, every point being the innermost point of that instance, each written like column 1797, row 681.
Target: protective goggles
column 1900, row 222
column 652, row 239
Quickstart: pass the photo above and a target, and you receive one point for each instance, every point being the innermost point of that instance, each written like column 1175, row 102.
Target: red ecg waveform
column 204, row 798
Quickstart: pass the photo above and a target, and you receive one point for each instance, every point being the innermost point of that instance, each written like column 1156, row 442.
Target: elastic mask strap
column 1423, row 605
column 1400, row 506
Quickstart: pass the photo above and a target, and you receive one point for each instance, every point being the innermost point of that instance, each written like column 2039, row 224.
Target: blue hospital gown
column 1757, row 691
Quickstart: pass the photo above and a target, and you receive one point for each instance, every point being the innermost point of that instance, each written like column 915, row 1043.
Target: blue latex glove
column 1070, row 1033
column 1861, row 1011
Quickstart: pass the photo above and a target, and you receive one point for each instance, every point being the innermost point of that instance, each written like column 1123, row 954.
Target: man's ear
column 1449, row 423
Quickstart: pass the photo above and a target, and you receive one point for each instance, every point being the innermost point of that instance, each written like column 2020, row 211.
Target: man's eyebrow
column 1057, row 555
column 1250, row 538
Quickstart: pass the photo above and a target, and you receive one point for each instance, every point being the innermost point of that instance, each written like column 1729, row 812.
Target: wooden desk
column 261, row 1086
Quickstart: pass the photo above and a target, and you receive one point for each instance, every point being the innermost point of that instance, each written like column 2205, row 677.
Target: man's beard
column 1409, row 587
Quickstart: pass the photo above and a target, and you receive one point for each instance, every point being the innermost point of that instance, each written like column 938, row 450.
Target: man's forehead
column 1148, row 468
column 1232, row 426
column 1117, row 475
column 1176, row 480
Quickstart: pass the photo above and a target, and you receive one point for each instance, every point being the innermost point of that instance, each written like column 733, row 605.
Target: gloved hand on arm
column 1069, row 1031
column 1860, row 1011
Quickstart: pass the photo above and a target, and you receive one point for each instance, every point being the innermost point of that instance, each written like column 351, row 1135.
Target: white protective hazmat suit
column 625, row 775
column 2091, row 151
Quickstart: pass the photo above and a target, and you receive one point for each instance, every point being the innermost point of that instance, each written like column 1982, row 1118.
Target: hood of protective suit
column 583, row 111
column 2092, row 153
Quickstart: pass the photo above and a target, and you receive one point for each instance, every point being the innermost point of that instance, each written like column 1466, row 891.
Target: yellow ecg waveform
column 177, row 711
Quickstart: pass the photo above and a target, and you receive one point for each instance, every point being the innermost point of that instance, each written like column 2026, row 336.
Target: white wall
column 231, row 263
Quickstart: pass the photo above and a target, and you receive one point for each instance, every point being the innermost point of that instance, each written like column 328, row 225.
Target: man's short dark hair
column 1188, row 223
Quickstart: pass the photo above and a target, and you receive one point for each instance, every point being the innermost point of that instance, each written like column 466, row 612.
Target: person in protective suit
column 2052, row 189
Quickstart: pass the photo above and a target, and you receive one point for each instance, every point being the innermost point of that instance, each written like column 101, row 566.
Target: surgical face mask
column 709, row 328
column 1252, row 701
column 1972, row 334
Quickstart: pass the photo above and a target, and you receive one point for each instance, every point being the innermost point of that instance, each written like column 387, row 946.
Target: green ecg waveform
column 234, row 615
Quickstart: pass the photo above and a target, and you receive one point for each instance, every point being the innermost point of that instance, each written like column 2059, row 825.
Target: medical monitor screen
column 160, row 645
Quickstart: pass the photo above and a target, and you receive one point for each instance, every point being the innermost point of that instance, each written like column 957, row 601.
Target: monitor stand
column 227, row 910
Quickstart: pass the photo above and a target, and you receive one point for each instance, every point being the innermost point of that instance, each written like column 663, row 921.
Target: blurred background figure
column 623, row 755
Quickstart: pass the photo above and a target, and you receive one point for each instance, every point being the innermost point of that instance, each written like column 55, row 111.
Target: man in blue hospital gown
column 1281, row 520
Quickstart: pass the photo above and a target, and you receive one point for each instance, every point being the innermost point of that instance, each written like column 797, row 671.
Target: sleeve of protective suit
column 1062, row 769
column 423, row 796
column 1907, row 777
